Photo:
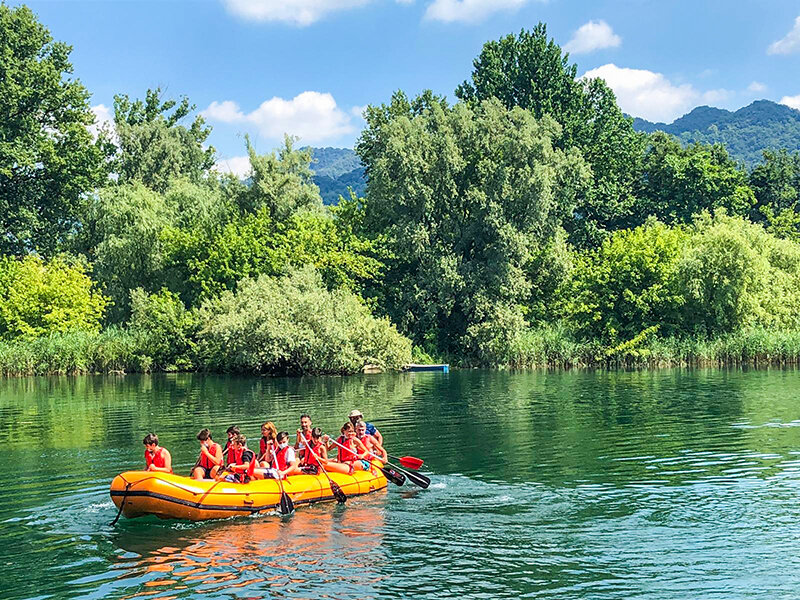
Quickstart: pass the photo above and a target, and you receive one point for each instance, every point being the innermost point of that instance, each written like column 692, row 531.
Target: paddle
column 286, row 504
column 410, row 462
column 337, row 491
column 390, row 474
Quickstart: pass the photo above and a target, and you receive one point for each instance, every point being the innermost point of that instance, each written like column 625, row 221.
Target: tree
column 153, row 147
column 464, row 198
column 38, row 298
column 48, row 160
column 531, row 71
column 776, row 186
column 678, row 183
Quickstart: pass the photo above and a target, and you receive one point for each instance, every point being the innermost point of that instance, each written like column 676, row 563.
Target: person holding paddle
column 309, row 464
column 267, row 444
column 351, row 454
column 232, row 432
column 370, row 442
column 303, row 433
column 210, row 457
column 156, row 458
column 241, row 462
column 356, row 415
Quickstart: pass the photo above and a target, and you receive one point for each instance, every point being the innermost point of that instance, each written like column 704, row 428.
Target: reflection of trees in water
column 319, row 548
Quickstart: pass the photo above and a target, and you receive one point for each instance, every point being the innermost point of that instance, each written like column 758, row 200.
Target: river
column 669, row 484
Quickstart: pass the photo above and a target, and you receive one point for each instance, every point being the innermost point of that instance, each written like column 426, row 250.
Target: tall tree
column 532, row 72
column 48, row 160
column 153, row 146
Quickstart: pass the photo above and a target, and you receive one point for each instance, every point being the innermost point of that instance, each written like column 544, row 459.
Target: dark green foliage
column 166, row 329
column 333, row 162
column 746, row 133
column 47, row 158
column 331, row 189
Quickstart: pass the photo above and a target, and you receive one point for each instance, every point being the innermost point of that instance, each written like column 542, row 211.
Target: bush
column 294, row 325
column 38, row 298
column 166, row 328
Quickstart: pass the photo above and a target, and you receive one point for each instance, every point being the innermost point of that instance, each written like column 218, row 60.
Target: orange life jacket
column 312, row 452
column 156, row 459
column 348, row 455
column 238, row 460
column 280, row 458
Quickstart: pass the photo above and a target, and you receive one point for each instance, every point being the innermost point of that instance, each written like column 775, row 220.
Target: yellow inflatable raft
column 175, row 497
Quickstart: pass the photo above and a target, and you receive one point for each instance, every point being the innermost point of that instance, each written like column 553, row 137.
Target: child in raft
column 285, row 462
column 241, row 462
column 210, row 457
column 156, row 458
column 232, row 432
column 267, row 445
column 369, row 441
column 353, row 456
column 314, row 451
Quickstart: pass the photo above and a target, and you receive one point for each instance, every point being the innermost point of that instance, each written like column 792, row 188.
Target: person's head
column 282, row 439
column 204, row 435
column 239, row 440
column 348, row 430
column 305, row 422
column 269, row 431
column 316, row 433
column 232, row 431
column 150, row 441
column 361, row 428
column 355, row 415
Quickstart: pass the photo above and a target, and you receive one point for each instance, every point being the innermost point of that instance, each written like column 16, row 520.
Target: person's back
column 156, row 458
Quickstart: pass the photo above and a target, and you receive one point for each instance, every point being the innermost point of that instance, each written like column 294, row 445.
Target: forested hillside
column 336, row 170
column 746, row 133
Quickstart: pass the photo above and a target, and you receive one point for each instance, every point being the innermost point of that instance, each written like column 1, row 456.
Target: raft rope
column 121, row 504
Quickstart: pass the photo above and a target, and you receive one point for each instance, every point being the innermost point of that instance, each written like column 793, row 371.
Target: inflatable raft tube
column 175, row 497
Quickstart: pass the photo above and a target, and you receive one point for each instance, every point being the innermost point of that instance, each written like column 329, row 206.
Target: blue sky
column 306, row 67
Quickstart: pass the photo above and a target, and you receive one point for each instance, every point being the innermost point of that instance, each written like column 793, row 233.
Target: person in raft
column 370, row 442
column 241, row 462
column 267, row 445
column 210, row 457
column 156, row 458
column 232, row 432
column 303, row 432
column 353, row 456
column 356, row 415
column 284, row 461
column 315, row 451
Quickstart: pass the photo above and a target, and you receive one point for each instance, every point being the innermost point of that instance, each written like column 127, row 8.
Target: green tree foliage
column 295, row 325
column 776, row 185
column 531, row 71
column 466, row 197
column 679, row 182
column 166, row 329
column 47, row 158
column 627, row 284
column 38, row 298
column 153, row 147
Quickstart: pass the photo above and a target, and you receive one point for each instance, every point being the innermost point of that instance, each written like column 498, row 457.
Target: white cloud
column 102, row 118
column 358, row 111
column 591, row 36
column 238, row 165
column 791, row 101
column 757, row 87
column 650, row 95
column 788, row 44
column 297, row 12
column 469, row 11
column 312, row 116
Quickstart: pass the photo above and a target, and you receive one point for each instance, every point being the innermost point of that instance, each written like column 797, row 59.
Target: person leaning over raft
column 156, row 458
column 356, row 415
column 241, row 463
column 210, row 457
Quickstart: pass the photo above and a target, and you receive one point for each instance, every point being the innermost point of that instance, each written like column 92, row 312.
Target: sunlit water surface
column 581, row 485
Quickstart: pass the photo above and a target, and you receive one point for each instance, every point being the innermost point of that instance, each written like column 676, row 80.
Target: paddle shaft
column 416, row 478
column 335, row 489
column 286, row 503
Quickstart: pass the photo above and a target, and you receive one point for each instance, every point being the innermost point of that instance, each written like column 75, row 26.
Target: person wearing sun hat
column 356, row 415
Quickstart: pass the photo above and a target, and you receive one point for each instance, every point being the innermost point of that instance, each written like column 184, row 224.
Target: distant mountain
column 745, row 132
column 336, row 169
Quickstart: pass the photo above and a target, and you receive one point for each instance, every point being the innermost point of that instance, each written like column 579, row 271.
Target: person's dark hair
column 305, row 416
column 150, row 438
column 283, row 435
column 347, row 426
column 204, row 434
column 316, row 433
column 241, row 438
column 233, row 429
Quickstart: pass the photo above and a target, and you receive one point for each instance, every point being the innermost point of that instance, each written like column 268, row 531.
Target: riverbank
column 126, row 351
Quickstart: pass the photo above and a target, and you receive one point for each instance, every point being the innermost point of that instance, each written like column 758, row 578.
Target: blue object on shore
column 427, row 368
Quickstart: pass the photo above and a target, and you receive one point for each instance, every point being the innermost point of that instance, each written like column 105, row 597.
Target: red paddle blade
column 410, row 462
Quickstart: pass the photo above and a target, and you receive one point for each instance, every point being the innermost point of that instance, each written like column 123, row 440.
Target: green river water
column 668, row 484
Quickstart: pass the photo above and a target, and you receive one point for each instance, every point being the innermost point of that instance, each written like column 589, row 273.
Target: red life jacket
column 237, row 460
column 312, row 451
column 348, row 455
column 280, row 458
column 205, row 462
column 156, row 459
